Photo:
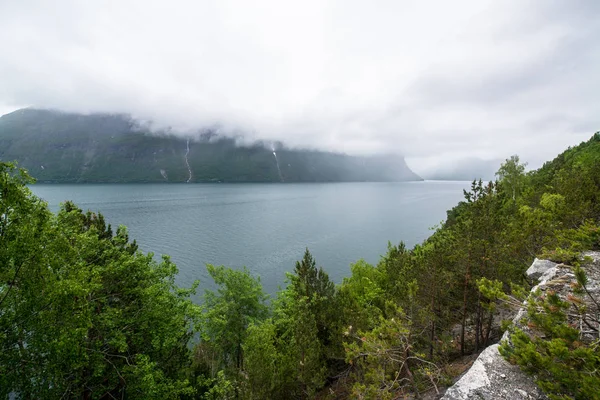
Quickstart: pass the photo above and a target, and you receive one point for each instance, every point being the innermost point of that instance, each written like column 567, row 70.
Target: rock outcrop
column 538, row 268
column 491, row 376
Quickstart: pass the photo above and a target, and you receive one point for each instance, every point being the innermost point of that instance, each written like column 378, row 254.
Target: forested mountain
column 62, row 147
column 84, row 314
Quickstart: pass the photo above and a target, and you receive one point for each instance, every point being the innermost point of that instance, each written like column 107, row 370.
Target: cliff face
column 63, row 147
column 491, row 376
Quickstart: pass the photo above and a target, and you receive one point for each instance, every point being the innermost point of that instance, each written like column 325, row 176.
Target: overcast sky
column 434, row 80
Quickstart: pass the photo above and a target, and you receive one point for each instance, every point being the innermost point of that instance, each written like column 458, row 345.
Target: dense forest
column 62, row 147
column 84, row 314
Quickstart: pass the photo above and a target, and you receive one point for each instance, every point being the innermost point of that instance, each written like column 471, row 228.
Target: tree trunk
column 489, row 328
column 464, row 313
column 410, row 375
column 478, row 322
column 434, row 315
column 432, row 338
column 465, row 295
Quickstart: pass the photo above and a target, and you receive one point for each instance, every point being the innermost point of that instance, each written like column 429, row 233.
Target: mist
column 438, row 82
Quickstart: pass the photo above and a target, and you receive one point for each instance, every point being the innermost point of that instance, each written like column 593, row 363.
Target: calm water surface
column 266, row 227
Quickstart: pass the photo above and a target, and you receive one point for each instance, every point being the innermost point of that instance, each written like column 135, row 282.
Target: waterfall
column 187, row 151
column 277, row 163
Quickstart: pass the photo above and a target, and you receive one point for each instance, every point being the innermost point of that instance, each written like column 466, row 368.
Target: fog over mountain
column 438, row 82
column 62, row 147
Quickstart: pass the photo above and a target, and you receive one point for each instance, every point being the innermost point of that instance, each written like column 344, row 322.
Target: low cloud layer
column 436, row 81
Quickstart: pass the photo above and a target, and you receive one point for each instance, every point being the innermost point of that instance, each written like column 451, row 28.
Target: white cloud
column 432, row 80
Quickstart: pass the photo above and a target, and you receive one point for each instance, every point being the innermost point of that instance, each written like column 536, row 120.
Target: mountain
column 65, row 147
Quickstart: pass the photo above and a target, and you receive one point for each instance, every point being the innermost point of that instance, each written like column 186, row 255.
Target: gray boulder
column 492, row 377
column 538, row 268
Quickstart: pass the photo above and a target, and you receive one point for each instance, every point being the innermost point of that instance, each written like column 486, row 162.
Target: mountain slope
column 63, row 147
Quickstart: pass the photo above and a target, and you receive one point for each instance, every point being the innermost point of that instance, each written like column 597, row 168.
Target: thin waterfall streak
column 277, row 163
column 187, row 151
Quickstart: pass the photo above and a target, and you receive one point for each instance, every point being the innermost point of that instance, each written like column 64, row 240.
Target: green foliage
column 306, row 348
column 384, row 362
column 82, row 313
column 265, row 363
column 307, row 317
column 287, row 354
column 457, row 277
column 311, row 285
column 217, row 388
column 361, row 295
column 565, row 366
column 561, row 255
column 561, row 348
column 494, row 290
column 511, row 174
column 228, row 312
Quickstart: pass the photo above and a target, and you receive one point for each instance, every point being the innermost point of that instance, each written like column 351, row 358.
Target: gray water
column 266, row 227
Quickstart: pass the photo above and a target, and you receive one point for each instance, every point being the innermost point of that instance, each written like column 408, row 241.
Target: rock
column 561, row 279
column 592, row 269
column 541, row 271
column 538, row 268
column 492, row 377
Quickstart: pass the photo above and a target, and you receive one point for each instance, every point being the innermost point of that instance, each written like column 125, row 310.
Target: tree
column 431, row 262
column 305, row 321
column 511, row 174
column 314, row 287
column 264, row 363
column 398, row 269
column 362, row 297
column 23, row 222
column 306, row 348
column 564, row 360
column 238, row 301
column 82, row 312
column 384, row 360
